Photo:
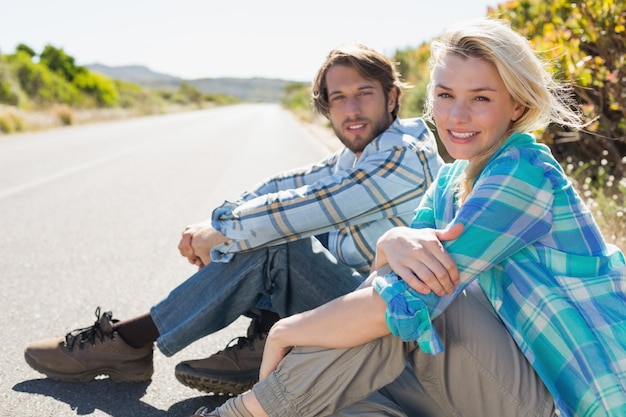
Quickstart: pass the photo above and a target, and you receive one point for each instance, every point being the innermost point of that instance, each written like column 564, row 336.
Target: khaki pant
column 481, row 373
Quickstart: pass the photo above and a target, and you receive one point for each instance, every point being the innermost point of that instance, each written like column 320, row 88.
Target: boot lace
column 92, row 333
column 242, row 342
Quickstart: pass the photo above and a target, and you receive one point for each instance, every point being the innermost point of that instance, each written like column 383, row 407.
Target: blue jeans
column 295, row 277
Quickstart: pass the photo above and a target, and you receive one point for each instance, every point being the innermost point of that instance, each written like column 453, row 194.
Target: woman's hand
column 273, row 353
column 347, row 321
column 419, row 258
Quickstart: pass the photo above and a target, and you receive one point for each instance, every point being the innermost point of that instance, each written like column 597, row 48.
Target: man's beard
column 359, row 143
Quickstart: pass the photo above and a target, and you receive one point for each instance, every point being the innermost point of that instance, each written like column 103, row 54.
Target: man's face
column 359, row 110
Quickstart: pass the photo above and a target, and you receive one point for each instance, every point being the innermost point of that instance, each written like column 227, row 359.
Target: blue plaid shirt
column 540, row 259
column 354, row 200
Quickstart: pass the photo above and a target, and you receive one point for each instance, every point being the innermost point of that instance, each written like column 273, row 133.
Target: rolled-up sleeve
column 408, row 314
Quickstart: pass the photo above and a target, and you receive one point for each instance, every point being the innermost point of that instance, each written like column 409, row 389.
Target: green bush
column 40, row 84
column 5, row 94
column 129, row 94
column 412, row 63
column 60, row 63
column 220, row 99
column 585, row 42
column 134, row 96
column 25, row 48
column 32, row 77
column 56, row 80
column 102, row 89
column 9, row 88
column 10, row 121
column 297, row 96
column 6, row 124
column 189, row 94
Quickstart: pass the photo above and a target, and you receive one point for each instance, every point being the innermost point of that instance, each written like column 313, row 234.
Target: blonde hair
column 524, row 74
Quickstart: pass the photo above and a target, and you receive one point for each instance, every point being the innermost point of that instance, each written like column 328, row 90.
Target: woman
column 530, row 316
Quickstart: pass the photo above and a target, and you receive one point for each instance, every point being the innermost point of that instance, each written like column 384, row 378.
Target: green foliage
column 39, row 83
column 56, row 79
column 54, row 82
column 10, row 121
column 9, row 86
column 134, row 96
column 220, row 99
column 61, row 63
column 412, row 64
column 297, row 99
column 32, row 77
column 190, row 94
column 297, row 96
column 25, row 48
column 5, row 94
column 102, row 89
column 585, row 42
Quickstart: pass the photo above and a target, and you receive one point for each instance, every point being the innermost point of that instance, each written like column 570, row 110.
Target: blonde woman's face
column 471, row 105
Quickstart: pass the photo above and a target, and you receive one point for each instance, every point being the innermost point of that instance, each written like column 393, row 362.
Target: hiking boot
column 230, row 371
column 87, row 353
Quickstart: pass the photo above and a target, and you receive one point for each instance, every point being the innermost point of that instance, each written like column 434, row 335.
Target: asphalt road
column 91, row 216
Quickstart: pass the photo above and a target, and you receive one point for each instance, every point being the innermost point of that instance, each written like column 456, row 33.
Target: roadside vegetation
column 47, row 89
column 585, row 42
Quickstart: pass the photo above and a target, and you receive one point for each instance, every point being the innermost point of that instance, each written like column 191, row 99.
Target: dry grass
column 608, row 208
column 11, row 120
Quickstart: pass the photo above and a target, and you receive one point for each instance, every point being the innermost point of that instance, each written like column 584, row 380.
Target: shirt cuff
column 407, row 315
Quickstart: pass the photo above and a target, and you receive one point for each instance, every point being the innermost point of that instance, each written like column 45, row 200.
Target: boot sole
column 136, row 371
column 227, row 383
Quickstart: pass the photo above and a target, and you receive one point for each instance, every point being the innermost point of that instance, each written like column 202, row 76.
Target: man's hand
column 419, row 258
column 197, row 241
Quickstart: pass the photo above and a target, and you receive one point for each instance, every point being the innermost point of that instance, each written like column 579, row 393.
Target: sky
column 193, row 39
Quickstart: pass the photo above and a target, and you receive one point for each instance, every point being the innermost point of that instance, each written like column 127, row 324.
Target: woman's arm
column 350, row 320
column 419, row 258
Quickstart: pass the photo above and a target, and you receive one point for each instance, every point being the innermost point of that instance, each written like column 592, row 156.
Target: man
column 296, row 241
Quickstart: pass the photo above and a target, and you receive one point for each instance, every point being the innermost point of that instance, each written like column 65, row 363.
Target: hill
column 248, row 89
